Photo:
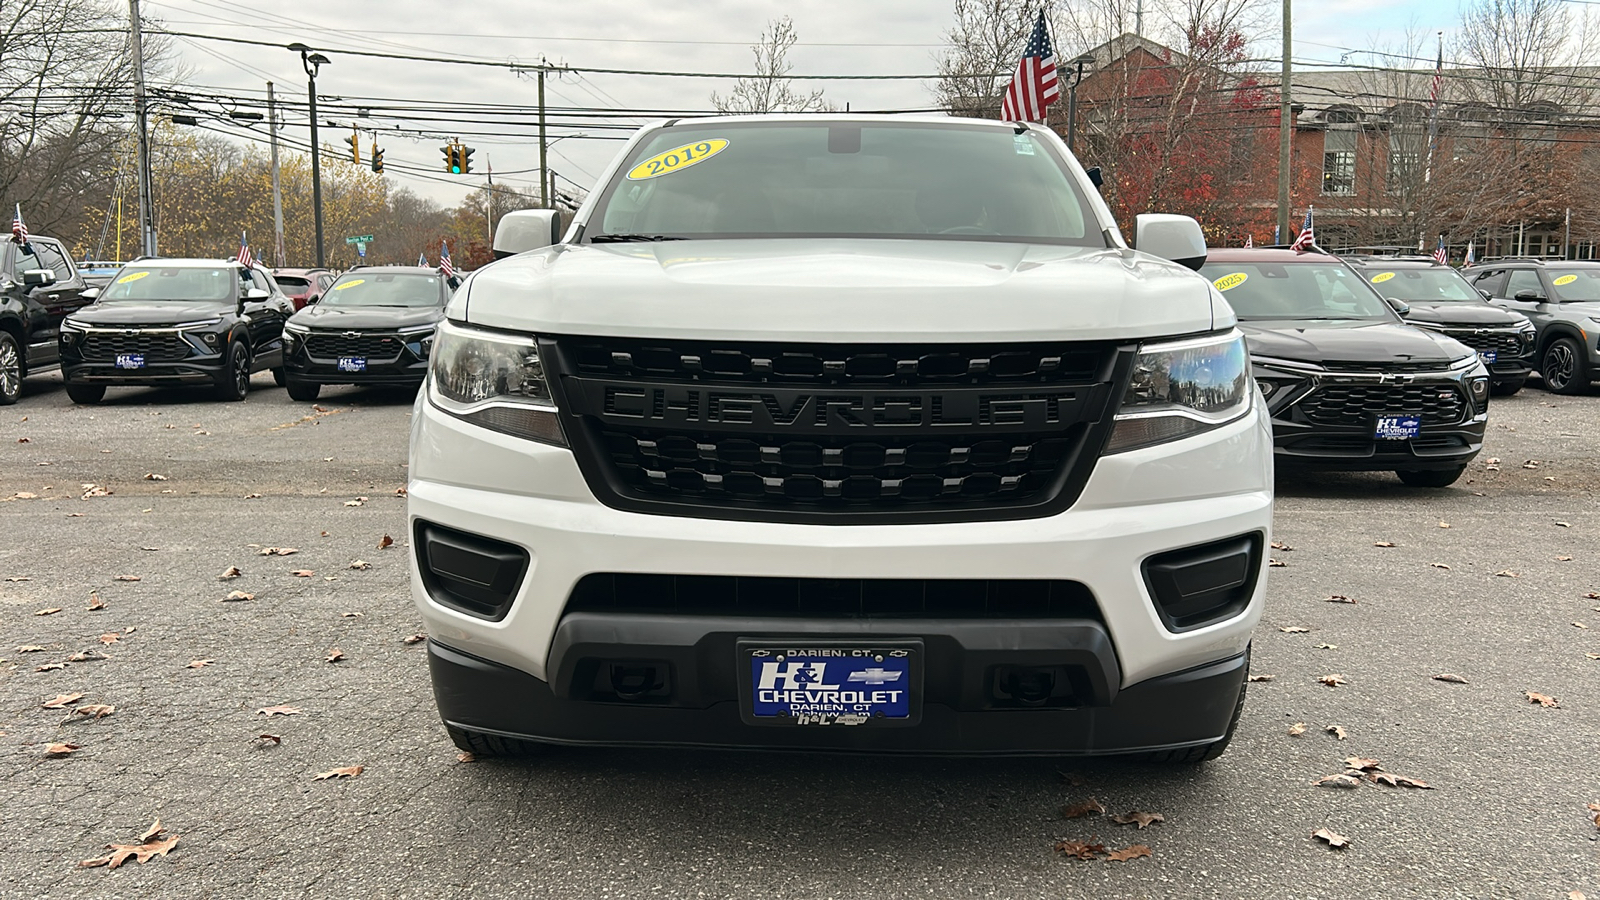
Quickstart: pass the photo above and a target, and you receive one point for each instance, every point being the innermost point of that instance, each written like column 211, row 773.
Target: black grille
column 841, row 433
column 153, row 345
column 832, row 597
column 376, row 347
column 1357, row 404
column 1501, row 343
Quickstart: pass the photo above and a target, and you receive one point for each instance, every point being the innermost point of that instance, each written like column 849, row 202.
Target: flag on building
column 19, row 231
column 244, row 257
column 448, row 270
column 1470, row 259
column 1307, row 238
column 1439, row 254
column 422, row 260
column 1249, row 241
column 1035, row 85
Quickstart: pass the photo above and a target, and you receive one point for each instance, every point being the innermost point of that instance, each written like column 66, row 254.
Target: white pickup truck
column 841, row 432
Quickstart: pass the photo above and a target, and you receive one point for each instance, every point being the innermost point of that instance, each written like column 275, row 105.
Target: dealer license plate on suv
column 352, row 363
column 130, row 360
column 1398, row 428
column 823, row 683
column 1489, row 356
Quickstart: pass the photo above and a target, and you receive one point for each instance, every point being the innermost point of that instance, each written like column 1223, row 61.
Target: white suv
column 841, row 432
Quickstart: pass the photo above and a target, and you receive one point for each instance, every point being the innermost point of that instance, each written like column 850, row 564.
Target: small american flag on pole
column 1035, row 85
column 1467, row 263
column 1439, row 253
column 1307, row 238
column 245, row 258
column 448, row 270
column 422, row 260
column 1249, row 241
column 19, row 231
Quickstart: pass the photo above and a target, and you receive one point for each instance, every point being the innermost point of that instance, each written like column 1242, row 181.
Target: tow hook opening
column 635, row 682
column 1035, row 686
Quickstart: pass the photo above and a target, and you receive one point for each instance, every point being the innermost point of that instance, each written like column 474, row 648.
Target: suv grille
column 153, row 345
column 1356, row 404
column 331, row 345
column 841, row 433
column 1501, row 343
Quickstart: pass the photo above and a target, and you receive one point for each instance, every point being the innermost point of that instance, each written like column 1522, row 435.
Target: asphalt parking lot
column 1497, row 597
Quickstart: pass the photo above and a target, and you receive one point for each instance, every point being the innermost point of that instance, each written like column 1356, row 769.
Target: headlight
column 199, row 323
column 1465, row 362
column 493, row 380
column 296, row 328
column 69, row 325
column 419, row 339
column 1183, row 388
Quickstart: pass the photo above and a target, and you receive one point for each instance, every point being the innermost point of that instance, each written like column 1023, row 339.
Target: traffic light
column 464, row 155
column 354, row 140
column 452, row 158
column 377, row 159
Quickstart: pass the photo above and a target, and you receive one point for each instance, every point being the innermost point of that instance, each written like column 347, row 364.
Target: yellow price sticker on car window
column 1381, row 277
column 677, row 159
column 1229, row 282
column 349, row 284
column 133, row 277
column 1564, row 280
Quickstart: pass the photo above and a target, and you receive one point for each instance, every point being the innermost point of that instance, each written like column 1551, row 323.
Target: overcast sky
column 875, row 37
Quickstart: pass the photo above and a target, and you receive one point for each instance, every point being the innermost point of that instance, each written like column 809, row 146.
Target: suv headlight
column 493, row 380
column 1183, row 388
column 419, row 338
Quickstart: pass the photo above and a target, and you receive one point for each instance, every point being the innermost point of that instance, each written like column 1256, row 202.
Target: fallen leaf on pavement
column 1384, row 544
column 29, row 648
column 1089, row 807
column 465, row 756
column 1444, row 524
column 1280, row 545
column 1563, row 524
column 1276, row 563
column 1338, row 781
column 1364, row 763
column 1394, row 780
column 278, row 551
column 1127, row 853
column 1451, row 677
column 302, row 573
column 252, row 496
column 1293, row 629
column 1336, row 841
column 110, row 638
column 335, row 655
column 1326, row 647
column 199, row 663
column 1439, row 566
column 353, row 503
column 1579, row 625
column 1297, row 729
column 87, row 656
column 1338, row 598
column 93, row 490
column 150, row 845
column 61, row 701
column 50, row 667
column 96, row 603
column 270, row 711
column 265, row 739
column 232, row 572
column 385, row 542
column 1506, row 573
column 48, row 612
column 127, row 578
column 361, row 565
column 417, row 638
column 56, row 751
column 1079, row 849
column 151, row 476
column 98, row 710
column 1256, row 679
column 345, row 772
column 1140, row 819
column 1333, row 680
column 1563, row 559
column 399, row 492
column 239, row 595
column 351, row 615
column 1337, row 731
column 1541, row 699
column 1589, row 655
column 1576, row 895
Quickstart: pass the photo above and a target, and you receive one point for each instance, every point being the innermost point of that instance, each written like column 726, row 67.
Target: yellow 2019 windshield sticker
column 132, row 277
column 1565, row 279
column 349, row 284
column 1229, row 282
column 1381, row 277
column 677, row 159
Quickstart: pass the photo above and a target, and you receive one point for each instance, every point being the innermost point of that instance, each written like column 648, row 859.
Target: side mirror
column 1177, row 238
column 526, row 229
column 313, row 298
column 1400, row 307
column 38, row 277
column 1526, row 295
column 1486, row 294
column 91, row 293
column 256, row 294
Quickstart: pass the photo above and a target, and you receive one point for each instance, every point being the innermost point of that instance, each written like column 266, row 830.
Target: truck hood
column 169, row 312
column 833, row 290
column 1358, row 343
column 1480, row 315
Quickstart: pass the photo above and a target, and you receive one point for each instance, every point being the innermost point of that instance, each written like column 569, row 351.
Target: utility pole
column 1284, row 112
column 312, row 62
column 1138, row 19
column 147, row 211
column 544, row 149
column 277, row 196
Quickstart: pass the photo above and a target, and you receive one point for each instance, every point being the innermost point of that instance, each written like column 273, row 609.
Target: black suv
column 1562, row 299
column 175, row 322
column 1438, row 298
column 39, row 287
column 374, row 326
column 1349, row 384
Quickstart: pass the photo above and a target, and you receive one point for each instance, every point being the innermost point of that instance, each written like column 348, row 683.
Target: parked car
column 39, row 287
column 374, row 326
column 841, row 432
column 1349, row 384
column 176, row 322
column 303, row 286
column 99, row 272
column 1440, row 299
column 1562, row 299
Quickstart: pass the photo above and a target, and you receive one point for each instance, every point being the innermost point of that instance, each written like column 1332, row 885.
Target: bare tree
column 770, row 89
column 981, row 52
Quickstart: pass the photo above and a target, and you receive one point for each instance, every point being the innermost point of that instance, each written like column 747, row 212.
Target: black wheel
column 87, row 394
column 1564, row 367
column 304, row 391
column 233, row 382
column 485, row 746
column 1507, row 388
column 1206, row 752
column 10, row 369
column 280, row 377
column 1431, row 478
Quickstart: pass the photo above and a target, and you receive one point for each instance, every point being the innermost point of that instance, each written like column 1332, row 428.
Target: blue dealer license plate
column 352, row 363
column 130, row 360
column 822, row 683
column 1398, row 428
column 1489, row 356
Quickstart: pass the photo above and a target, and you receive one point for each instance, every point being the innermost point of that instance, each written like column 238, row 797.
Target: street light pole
column 1072, row 97
column 312, row 62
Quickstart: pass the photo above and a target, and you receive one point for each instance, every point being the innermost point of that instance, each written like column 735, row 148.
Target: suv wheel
column 1507, row 388
column 10, row 369
column 303, row 391
column 486, row 745
column 1431, row 478
column 1564, row 368
column 280, row 377
column 233, row 382
column 87, row 394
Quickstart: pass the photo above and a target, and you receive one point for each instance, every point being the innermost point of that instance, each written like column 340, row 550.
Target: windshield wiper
column 630, row 238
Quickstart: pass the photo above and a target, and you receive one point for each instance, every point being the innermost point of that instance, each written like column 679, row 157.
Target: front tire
column 1431, row 478
column 303, row 391
column 280, row 377
column 86, row 394
column 1564, row 367
column 10, row 369
column 233, row 382
column 486, row 746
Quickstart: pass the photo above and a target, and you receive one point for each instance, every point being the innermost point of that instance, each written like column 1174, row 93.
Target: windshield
column 888, row 180
column 147, row 283
column 385, row 289
column 1295, row 291
column 1428, row 285
column 1575, row 285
